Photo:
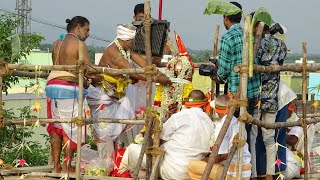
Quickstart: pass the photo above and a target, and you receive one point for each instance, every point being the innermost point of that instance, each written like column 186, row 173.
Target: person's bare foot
column 66, row 170
column 57, row 169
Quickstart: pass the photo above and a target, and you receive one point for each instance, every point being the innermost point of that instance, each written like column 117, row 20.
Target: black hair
column 77, row 20
column 265, row 28
column 236, row 18
column 139, row 8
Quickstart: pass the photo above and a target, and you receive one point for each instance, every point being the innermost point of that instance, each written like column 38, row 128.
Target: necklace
column 125, row 54
column 74, row 35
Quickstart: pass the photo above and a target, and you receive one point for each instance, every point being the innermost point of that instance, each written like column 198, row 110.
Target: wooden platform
column 55, row 176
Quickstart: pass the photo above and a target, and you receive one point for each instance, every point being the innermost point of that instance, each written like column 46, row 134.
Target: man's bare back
column 66, row 52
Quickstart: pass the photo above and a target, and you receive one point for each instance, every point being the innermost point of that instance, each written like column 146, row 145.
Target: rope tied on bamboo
column 302, row 123
column 246, row 118
column 150, row 112
column 156, row 126
column 4, row 68
column 148, row 22
column 238, row 103
column 80, row 122
column 155, row 151
column 150, row 70
column 238, row 141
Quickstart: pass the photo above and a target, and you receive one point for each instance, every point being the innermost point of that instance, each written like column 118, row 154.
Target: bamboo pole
column 2, row 122
column 44, row 121
column 80, row 107
column 215, row 88
column 243, row 93
column 143, row 148
column 147, row 27
column 312, row 102
column 292, row 67
column 231, row 153
column 304, row 110
column 214, row 85
column 217, row 143
column 29, row 74
column 310, row 115
column 95, row 69
column 154, row 175
column 29, row 122
column 43, row 67
column 283, row 124
column 257, row 39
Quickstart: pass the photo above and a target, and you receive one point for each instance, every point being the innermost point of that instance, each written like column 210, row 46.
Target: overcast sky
column 186, row 17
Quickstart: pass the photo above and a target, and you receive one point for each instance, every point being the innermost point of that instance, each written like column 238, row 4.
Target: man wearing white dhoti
column 62, row 91
column 114, row 99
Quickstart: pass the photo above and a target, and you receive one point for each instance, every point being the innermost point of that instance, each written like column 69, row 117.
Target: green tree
column 8, row 24
column 12, row 136
column 11, row 50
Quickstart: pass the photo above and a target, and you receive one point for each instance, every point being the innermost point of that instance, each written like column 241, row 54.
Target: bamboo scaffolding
column 43, row 121
column 147, row 141
column 304, row 109
column 243, row 93
column 147, row 27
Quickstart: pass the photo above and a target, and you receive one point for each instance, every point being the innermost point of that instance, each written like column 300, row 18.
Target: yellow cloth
column 187, row 88
column 121, row 84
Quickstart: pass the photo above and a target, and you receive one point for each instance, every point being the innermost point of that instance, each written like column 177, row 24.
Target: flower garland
column 125, row 54
column 175, row 93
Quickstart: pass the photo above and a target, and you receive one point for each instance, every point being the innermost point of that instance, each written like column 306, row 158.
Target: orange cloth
column 291, row 107
column 205, row 103
column 221, row 111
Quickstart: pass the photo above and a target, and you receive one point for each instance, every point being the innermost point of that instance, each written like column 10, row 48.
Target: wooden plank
column 22, row 170
column 29, row 178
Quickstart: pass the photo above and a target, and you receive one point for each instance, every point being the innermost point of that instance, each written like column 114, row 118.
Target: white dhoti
column 62, row 103
column 104, row 106
column 130, row 158
column 60, row 109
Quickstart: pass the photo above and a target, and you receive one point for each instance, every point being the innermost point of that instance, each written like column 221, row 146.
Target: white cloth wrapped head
column 126, row 32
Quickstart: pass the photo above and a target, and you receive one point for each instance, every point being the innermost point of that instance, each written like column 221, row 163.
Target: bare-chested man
column 108, row 105
column 62, row 91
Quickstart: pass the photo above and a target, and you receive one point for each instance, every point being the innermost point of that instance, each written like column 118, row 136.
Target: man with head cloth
column 185, row 136
column 110, row 102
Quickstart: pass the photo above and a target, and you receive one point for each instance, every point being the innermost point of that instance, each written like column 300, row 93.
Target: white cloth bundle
column 125, row 33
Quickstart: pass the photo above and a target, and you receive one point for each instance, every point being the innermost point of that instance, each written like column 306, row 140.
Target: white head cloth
column 126, row 32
